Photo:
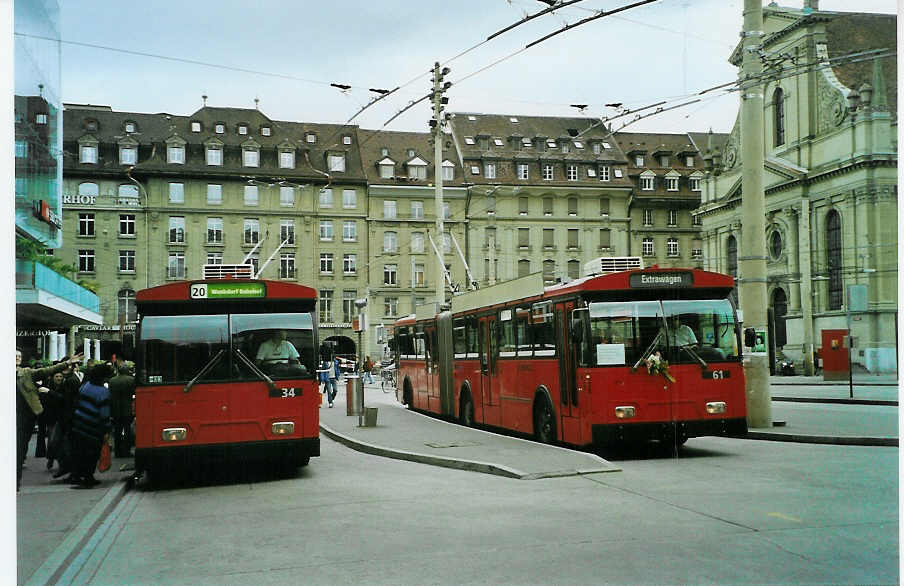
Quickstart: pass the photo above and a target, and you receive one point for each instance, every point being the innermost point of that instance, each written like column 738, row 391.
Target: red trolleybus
column 226, row 369
column 626, row 356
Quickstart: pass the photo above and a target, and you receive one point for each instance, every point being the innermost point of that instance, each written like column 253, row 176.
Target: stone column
column 806, row 283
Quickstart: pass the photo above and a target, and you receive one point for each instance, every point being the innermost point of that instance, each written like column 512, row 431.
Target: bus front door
column 569, row 412
column 489, row 381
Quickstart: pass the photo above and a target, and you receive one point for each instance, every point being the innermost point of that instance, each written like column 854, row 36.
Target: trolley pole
column 752, row 265
column 436, row 123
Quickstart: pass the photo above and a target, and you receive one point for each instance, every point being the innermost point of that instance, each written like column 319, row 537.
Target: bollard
column 351, row 395
column 370, row 417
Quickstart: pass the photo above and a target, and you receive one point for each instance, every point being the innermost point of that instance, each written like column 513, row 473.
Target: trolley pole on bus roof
column 752, row 265
column 436, row 123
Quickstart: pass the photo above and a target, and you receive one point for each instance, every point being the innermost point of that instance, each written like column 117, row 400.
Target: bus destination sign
column 228, row 290
column 669, row 280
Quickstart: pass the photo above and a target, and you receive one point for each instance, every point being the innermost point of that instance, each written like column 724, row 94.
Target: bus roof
column 181, row 290
column 650, row 278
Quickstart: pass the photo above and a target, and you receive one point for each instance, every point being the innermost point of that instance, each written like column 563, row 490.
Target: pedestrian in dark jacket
column 28, row 405
column 52, row 401
column 122, row 388
column 90, row 423
column 63, row 447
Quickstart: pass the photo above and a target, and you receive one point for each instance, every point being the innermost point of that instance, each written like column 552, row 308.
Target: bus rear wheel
column 466, row 411
column 544, row 422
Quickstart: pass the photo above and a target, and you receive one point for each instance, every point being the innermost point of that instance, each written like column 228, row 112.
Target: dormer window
column 347, row 139
column 91, row 125
column 286, row 159
column 215, row 155
column 646, row 181
column 671, row 183
column 88, row 153
column 596, row 148
column 336, row 163
column 243, row 129
column 638, row 160
column 384, row 152
column 219, row 128
column 310, row 138
column 526, row 142
column 513, row 119
column 266, row 131
column 606, row 145
column 130, row 127
column 175, row 154
column 387, row 168
column 566, row 148
column 497, row 142
column 469, row 140
column 417, row 168
column 664, row 161
column 448, row 170
column 551, row 143
column 689, row 161
column 196, row 127
column 250, row 157
column 578, row 144
column 128, row 155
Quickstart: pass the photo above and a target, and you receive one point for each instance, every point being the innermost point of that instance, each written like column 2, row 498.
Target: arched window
column 775, row 245
column 88, row 189
column 779, row 310
column 732, row 263
column 778, row 105
column 833, row 259
column 549, row 271
column 127, row 311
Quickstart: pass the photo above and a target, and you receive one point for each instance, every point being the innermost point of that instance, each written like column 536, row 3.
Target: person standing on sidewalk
column 52, row 401
column 122, row 388
column 332, row 384
column 90, row 423
column 28, row 405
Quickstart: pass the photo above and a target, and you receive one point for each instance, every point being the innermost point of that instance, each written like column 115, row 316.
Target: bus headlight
column 715, row 407
column 283, row 428
column 174, row 434
column 624, row 412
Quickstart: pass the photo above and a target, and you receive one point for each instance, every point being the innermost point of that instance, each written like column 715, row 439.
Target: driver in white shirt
column 277, row 349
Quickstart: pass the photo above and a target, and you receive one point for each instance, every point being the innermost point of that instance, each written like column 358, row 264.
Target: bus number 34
column 285, row 393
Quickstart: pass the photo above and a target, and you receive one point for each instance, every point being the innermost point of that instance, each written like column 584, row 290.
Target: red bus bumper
column 298, row 450
column 607, row 434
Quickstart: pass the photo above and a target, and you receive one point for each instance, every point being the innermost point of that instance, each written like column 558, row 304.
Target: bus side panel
column 466, row 373
column 517, row 394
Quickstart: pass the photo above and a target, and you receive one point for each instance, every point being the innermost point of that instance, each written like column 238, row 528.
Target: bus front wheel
column 544, row 421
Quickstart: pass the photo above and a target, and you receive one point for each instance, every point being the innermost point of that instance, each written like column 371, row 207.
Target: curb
column 823, row 439
column 50, row 571
column 827, row 400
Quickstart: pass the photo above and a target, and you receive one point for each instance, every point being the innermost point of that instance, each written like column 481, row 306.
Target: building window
column 547, row 173
column 447, row 210
column 549, row 271
column 523, row 267
column 605, row 238
column 214, row 194
column 349, row 199
column 604, row 206
column 287, row 231
column 127, row 225
column 689, row 161
column 698, row 220
column 572, row 238
column 778, row 105
column 572, row 206
column 21, row 149
column 417, row 171
column 775, row 244
column 214, row 257
column 286, row 159
column 349, row 230
column 310, row 138
column 196, row 127
column 574, row 269
column 127, row 261
column 348, row 306
column 694, row 183
column 523, row 237
column 128, row 195
column 638, row 160
column 175, row 155
column 251, row 231
column 475, row 170
column 731, row 263
column 88, row 154
column 349, row 263
column 547, row 206
column 177, row 193
column 243, row 129
column 618, row 173
column 128, row 155
column 266, row 131
column 336, row 163
column 646, row 183
column 286, row 266
column 326, row 198
column 214, row 156
column 175, row 265
column 40, row 118
column 489, row 170
column 671, row 183
column 389, row 209
column 390, row 242
column 286, row 196
column 326, row 262
column 177, row 230
column 326, row 306
column 833, row 259
column 673, row 218
column 647, row 247
column 326, row 230
column 491, row 204
column 526, row 142
column 447, row 243
column 448, row 171
column 127, row 312
column 251, row 195
column 417, row 210
column 648, row 217
column 86, row 261
column 389, row 274
column 664, row 161
column 469, row 140
column 86, row 224
column 251, row 158
column 390, row 306
column 697, row 249
column 219, row 128
column 672, row 247
column 549, row 237
column 347, row 139
column 417, row 242
column 523, row 171
column 572, row 171
column 604, row 173
column 522, row 206
column 387, row 170
column 215, row 230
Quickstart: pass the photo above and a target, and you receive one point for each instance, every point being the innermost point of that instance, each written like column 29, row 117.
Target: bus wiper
column 205, row 370
column 695, row 356
column 260, row 374
column 646, row 353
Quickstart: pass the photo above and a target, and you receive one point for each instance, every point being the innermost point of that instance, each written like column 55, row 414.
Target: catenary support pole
column 752, row 264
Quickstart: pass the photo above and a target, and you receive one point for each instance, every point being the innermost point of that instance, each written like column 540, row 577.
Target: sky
column 286, row 53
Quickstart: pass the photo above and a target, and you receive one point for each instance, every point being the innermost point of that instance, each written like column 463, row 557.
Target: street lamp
column 360, row 325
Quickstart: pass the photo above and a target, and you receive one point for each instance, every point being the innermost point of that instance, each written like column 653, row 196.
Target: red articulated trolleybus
column 626, row 356
column 226, row 368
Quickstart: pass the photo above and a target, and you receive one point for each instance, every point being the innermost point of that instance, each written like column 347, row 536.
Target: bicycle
column 387, row 378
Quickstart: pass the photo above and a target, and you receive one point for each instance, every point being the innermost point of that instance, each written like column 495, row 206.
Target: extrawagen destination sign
column 658, row 280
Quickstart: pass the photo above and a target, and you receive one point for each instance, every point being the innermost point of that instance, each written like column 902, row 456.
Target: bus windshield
column 622, row 333
column 176, row 349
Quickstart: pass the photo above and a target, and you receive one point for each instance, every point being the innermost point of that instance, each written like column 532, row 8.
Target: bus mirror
column 749, row 337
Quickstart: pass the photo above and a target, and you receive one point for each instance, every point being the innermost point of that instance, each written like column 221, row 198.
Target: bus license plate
column 717, row 374
column 285, row 393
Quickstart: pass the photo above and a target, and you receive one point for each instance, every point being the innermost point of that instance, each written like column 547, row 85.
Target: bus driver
column 277, row 349
column 680, row 334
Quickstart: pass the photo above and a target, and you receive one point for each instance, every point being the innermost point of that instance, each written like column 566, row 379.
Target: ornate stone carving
column 830, row 95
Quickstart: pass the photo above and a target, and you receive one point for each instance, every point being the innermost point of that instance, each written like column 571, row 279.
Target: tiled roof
column 849, row 33
column 398, row 145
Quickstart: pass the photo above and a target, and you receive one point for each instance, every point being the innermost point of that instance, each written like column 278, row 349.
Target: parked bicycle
column 387, row 378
